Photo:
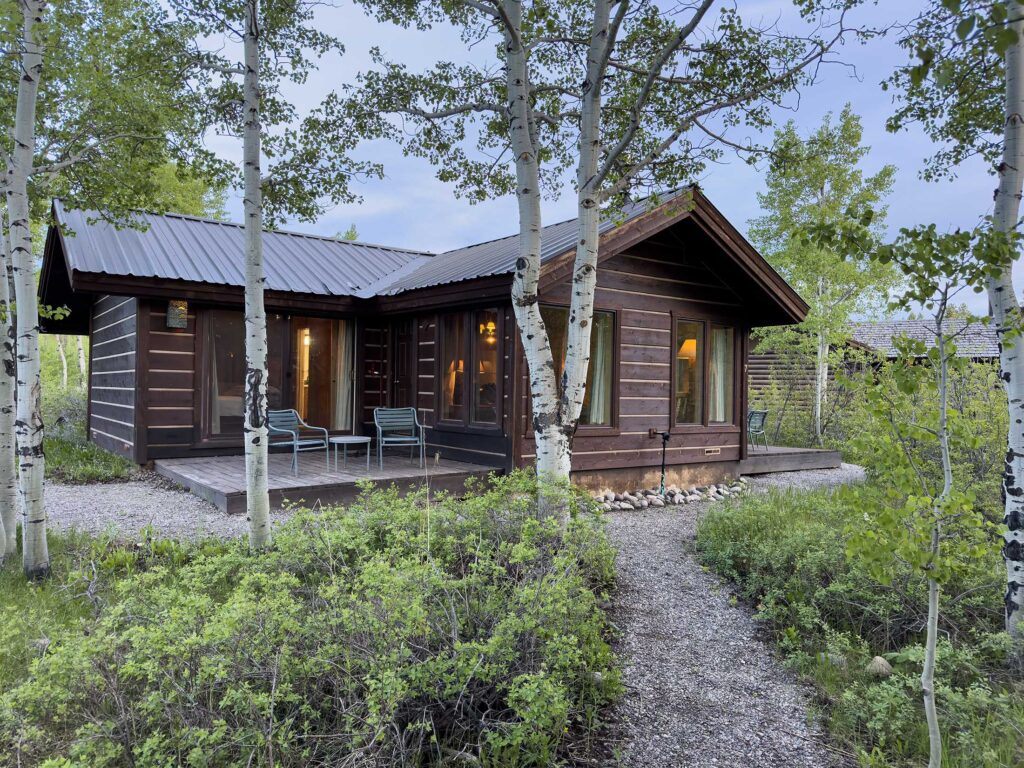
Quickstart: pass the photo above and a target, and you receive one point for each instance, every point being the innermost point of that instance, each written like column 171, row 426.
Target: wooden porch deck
column 221, row 479
column 781, row 458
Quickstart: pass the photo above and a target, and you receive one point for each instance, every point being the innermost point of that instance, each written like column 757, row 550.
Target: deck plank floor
column 782, row 458
column 221, row 479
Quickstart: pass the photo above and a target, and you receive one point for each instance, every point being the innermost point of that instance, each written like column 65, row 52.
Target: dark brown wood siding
column 793, row 378
column 113, row 345
column 169, row 382
column 372, row 377
column 647, row 288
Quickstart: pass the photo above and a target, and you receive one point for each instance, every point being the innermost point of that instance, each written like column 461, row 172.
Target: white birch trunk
column 83, row 369
column 928, row 669
column 29, row 422
column 10, row 499
column 584, row 276
column 63, row 362
column 255, row 429
column 820, row 384
column 938, row 510
column 553, row 450
column 1005, row 314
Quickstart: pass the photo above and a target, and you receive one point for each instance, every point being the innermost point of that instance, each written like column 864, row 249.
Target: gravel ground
column 126, row 508
column 702, row 687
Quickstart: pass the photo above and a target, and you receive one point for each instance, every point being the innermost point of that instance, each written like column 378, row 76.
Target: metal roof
column 498, row 257
column 177, row 247
column 974, row 340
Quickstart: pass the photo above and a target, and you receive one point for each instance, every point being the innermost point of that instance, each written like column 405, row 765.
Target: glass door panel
column 224, row 352
column 322, row 371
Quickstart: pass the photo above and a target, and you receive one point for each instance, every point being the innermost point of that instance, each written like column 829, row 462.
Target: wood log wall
column 112, row 374
column 647, row 288
column 168, row 383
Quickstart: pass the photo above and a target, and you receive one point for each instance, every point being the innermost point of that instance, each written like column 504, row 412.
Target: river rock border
column 673, row 495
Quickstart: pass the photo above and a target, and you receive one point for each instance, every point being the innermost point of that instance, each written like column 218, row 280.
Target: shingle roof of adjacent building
column 974, row 340
column 176, row 247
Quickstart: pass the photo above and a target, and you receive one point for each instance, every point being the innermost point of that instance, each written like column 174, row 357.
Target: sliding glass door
column 322, row 371
column 309, row 366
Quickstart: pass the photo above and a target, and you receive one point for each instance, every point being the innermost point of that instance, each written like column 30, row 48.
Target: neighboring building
column 354, row 326
column 975, row 340
column 773, row 374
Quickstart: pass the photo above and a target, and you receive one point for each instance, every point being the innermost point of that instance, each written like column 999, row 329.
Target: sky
column 410, row 208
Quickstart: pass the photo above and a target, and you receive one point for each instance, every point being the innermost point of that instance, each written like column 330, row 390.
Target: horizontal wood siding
column 793, row 380
column 371, row 370
column 112, row 374
column 644, row 287
column 169, row 383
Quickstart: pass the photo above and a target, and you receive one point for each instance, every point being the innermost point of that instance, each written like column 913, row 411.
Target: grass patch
column 404, row 631
column 72, row 459
column 786, row 552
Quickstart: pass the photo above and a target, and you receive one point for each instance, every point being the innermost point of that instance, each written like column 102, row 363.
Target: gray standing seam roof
column 177, row 247
column 498, row 257
column 973, row 340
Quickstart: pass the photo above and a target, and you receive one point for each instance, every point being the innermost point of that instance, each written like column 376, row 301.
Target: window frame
column 704, row 425
column 466, row 424
column 612, row 428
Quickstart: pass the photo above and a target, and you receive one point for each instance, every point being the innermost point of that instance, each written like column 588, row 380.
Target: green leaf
column 965, row 27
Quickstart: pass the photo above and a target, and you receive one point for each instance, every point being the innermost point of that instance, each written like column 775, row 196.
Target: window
column 720, row 376
column 597, row 399
column 322, row 366
column 470, row 367
column 309, row 367
column 453, row 356
column 697, row 366
column 485, row 367
column 225, row 365
column 689, row 395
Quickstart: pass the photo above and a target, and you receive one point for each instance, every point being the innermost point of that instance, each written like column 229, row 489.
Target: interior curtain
column 719, row 370
column 599, row 408
column 214, row 383
column 343, row 375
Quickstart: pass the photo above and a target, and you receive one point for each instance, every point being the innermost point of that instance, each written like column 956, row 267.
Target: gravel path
column 126, row 508
column 702, row 688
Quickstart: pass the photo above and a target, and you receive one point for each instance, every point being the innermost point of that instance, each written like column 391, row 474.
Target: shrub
column 786, row 551
column 396, row 632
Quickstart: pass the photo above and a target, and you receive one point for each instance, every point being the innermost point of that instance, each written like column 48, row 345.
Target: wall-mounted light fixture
column 177, row 313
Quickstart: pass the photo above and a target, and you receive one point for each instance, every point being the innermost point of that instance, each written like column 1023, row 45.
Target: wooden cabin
column 354, row 326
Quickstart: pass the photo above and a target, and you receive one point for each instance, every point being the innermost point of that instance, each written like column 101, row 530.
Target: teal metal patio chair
column 398, row 426
column 756, row 421
column 288, row 422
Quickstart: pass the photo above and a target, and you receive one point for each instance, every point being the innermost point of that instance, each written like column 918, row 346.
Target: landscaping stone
column 879, row 667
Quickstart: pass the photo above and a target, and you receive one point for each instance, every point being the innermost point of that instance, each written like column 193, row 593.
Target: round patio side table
column 345, row 441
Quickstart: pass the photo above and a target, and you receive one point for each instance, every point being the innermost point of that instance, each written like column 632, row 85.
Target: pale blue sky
column 410, row 208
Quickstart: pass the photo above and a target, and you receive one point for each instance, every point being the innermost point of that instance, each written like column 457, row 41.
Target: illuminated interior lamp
column 688, row 350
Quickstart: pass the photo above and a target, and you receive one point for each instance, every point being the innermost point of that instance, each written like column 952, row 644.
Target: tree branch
column 690, row 120
column 652, row 73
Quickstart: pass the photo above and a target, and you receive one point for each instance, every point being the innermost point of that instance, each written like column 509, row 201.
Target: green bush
column 786, row 551
column 396, row 632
